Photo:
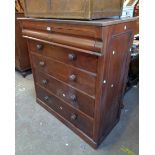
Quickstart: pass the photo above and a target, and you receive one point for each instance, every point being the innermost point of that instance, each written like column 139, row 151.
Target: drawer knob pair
column 71, row 56
column 73, row 117
column 72, row 77
column 39, row 47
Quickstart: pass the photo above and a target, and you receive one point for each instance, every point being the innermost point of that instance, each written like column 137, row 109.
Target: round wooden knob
column 42, row 63
column 44, row 82
column 72, row 77
column 46, row 98
column 39, row 47
column 71, row 56
column 49, row 29
column 73, row 97
column 73, row 117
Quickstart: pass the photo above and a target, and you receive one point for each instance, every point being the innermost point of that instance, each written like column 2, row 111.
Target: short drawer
column 76, row 118
column 66, row 93
column 68, row 74
column 77, row 59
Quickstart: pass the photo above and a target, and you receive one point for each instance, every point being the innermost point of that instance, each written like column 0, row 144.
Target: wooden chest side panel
column 116, row 66
column 115, row 79
column 22, row 61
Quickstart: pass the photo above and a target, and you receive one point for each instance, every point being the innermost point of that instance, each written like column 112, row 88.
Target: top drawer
column 72, row 29
column 84, row 38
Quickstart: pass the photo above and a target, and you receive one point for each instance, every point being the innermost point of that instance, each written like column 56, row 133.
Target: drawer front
column 66, row 56
column 62, row 28
column 66, row 93
column 77, row 119
column 77, row 78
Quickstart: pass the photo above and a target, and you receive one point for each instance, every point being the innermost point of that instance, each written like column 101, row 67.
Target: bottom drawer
column 77, row 119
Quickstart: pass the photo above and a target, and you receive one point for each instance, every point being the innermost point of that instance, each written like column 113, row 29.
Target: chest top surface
column 99, row 22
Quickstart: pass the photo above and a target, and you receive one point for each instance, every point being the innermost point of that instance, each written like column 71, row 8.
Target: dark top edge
column 98, row 22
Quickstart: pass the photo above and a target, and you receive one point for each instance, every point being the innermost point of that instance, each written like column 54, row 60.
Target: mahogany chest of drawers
column 80, row 71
